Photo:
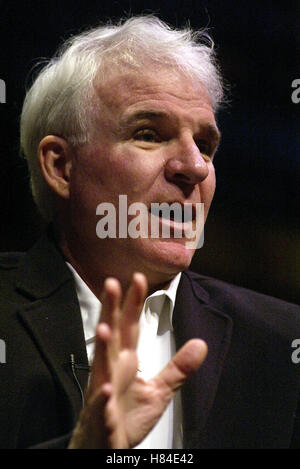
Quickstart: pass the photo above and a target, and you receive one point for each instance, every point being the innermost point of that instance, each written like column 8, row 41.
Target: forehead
column 130, row 92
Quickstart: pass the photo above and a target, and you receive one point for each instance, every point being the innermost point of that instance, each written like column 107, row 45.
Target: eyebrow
column 126, row 121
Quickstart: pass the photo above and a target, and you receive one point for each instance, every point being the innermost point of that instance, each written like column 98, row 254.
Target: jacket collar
column 43, row 257
column 195, row 315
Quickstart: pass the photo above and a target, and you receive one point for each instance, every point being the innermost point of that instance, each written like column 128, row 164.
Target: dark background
column 252, row 237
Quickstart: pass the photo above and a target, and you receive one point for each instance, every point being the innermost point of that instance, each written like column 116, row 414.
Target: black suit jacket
column 244, row 396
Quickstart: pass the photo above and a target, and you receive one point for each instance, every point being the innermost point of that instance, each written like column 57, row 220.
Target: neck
column 95, row 263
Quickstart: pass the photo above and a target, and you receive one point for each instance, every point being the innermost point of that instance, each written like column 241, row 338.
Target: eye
column 147, row 135
column 204, row 149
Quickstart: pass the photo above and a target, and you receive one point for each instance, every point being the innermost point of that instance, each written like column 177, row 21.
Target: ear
column 55, row 160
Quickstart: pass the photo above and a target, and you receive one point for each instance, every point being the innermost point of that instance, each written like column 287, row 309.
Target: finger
column 186, row 361
column 107, row 334
column 112, row 294
column 111, row 315
column 100, row 373
column 131, row 310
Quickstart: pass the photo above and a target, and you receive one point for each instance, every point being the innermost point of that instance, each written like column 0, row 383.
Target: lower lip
column 175, row 226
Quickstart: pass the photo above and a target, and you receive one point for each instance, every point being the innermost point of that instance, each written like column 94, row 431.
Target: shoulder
column 228, row 294
column 245, row 304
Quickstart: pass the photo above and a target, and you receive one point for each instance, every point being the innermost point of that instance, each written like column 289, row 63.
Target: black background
column 252, row 237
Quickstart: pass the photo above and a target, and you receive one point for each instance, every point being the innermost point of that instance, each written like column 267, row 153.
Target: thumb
column 186, row 361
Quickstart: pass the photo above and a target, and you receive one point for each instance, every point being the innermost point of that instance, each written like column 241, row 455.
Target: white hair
column 60, row 101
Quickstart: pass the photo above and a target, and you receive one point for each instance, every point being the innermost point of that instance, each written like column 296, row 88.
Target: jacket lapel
column 52, row 317
column 195, row 316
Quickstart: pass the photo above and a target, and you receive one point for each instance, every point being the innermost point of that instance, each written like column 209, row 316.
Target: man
column 129, row 110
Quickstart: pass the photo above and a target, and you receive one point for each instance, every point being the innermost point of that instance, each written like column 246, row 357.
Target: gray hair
column 60, row 101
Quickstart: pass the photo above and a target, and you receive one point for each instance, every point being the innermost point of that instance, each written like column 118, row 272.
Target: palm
column 134, row 410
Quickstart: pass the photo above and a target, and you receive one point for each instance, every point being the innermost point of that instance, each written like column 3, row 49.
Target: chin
column 169, row 256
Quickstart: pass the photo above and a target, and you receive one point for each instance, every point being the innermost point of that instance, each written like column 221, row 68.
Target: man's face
column 153, row 140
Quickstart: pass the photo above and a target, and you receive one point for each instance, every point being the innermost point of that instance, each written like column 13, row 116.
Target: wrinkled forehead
column 126, row 87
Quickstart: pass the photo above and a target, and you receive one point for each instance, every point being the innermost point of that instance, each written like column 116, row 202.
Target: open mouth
column 175, row 212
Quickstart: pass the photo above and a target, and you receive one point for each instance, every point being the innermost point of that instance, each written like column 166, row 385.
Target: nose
column 187, row 165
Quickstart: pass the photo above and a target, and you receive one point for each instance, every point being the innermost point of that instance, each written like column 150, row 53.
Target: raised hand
column 121, row 408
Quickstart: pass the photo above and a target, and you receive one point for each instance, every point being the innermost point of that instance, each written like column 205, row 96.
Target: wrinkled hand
column 121, row 408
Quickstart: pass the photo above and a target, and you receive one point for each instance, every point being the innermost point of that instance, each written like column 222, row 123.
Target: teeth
column 178, row 214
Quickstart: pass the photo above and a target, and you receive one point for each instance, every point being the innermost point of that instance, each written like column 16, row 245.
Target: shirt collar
column 90, row 306
column 156, row 301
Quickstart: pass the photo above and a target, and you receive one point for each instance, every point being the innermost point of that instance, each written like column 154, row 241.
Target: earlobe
column 55, row 161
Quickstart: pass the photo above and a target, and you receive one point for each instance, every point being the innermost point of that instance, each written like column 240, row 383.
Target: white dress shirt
column 156, row 346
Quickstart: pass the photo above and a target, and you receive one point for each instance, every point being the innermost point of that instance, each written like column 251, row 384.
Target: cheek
column 104, row 175
column 133, row 172
column 207, row 189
